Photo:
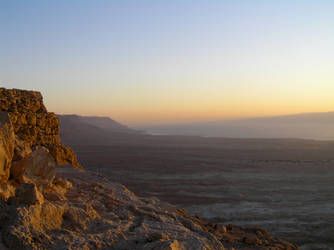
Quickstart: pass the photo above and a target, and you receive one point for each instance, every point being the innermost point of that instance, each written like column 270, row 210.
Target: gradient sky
column 148, row 62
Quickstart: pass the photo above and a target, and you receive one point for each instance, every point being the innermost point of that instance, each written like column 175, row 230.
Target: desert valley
column 49, row 200
column 166, row 125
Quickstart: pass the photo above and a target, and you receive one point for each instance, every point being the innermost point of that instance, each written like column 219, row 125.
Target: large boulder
column 37, row 167
column 6, row 146
column 64, row 155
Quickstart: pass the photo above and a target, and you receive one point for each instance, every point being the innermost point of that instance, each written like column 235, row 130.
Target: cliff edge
column 34, row 125
column 44, row 206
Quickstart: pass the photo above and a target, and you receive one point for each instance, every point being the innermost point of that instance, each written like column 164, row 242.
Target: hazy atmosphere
column 167, row 124
column 161, row 62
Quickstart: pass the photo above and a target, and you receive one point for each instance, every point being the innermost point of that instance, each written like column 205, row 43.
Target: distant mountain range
column 306, row 126
column 92, row 130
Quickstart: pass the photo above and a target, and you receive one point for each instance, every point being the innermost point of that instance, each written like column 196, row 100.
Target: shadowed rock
column 27, row 194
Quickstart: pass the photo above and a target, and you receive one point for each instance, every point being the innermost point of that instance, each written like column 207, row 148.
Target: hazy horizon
column 221, row 129
column 314, row 126
column 145, row 124
column 155, row 62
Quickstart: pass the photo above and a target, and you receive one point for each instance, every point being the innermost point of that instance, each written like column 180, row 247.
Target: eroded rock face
column 34, row 125
column 38, row 167
column 22, row 149
column 6, row 146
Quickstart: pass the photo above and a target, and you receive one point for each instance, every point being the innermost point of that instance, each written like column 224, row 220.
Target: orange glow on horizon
column 157, row 117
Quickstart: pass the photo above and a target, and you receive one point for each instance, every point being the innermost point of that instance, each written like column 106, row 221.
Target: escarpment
column 44, row 206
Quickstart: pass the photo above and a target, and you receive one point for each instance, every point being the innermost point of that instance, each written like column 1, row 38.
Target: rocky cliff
column 33, row 125
column 44, row 206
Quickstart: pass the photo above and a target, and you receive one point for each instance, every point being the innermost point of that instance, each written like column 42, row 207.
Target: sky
column 155, row 62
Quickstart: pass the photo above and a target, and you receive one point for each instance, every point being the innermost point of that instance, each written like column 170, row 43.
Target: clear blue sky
column 169, row 61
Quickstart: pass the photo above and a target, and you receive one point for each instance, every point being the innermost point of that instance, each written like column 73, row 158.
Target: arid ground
column 285, row 186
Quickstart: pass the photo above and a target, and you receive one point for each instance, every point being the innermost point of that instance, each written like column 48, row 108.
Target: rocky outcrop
column 38, row 167
column 43, row 206
column 34, row 125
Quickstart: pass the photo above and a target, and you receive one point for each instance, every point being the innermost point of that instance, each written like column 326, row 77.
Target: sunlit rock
column 38, row 167
column 34, row 125
column 6, row 146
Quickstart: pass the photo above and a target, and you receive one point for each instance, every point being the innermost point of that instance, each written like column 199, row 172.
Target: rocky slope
column 44, row 206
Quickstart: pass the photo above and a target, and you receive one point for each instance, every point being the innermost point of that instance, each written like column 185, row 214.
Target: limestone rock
column 38, row 167
column 6, row 146
column 6, row 191
column 34, row 125
column 22, row 149
column 64, row 155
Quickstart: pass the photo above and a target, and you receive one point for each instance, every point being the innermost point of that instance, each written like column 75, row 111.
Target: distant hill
column 307, row 126
column 92, row 130
column 106, row 124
